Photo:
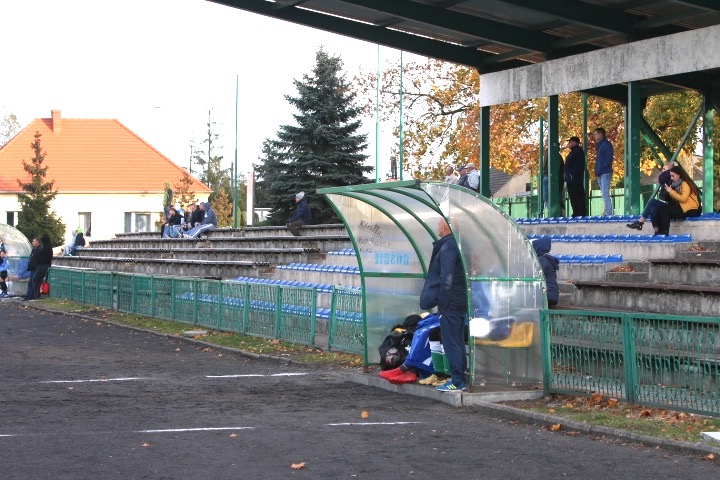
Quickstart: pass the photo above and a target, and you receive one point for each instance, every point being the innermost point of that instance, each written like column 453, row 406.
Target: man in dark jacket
column 575, row 177
column 32, row 266
column 44, row 262
column 445, row 288
column 302, row 215
column 550, row 266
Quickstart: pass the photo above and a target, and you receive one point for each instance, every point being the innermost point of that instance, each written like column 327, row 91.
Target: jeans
column 30, row 294
column 452, row 329
column 480, row 302
column 604, row 181
column 651, row 210
column 194, row 232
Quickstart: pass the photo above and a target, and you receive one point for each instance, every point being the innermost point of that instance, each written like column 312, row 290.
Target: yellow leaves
column 298, row 466
column 555, row 427
column 612, row 402
column 710, row 456
column 364, row 414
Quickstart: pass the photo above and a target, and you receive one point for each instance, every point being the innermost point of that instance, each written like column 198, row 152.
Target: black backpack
column 394, row 349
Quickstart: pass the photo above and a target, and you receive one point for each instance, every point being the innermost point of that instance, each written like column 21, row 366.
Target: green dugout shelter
column 393, row 226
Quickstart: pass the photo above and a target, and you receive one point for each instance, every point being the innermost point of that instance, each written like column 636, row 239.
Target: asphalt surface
column 82, row 399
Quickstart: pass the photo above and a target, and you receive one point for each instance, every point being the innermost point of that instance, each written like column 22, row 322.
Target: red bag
column 44, row 288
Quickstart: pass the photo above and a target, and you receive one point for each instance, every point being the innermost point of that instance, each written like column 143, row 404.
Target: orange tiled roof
column 90, row 155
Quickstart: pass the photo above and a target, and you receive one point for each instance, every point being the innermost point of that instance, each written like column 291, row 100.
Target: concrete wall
column 684, row 52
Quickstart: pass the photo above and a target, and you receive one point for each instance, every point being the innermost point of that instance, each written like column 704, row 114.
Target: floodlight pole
column 235, row 171
column 377, row 120
column 400, row 166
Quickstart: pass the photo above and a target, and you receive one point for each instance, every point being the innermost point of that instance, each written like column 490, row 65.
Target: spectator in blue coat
column 604, row 167
column 302, row 215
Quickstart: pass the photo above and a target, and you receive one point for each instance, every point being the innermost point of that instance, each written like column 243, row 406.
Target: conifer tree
column 322, row 150
column 35, row 218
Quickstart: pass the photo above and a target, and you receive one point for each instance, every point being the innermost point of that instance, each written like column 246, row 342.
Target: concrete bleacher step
column 651, row 297
column 264, row 231
column 159, row 266
column 274, row 255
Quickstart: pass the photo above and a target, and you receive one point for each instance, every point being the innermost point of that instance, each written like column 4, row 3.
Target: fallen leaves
column 233, row 435
column 145, row 444
column 555, row 427
column 298, row 466
column 364, row 414
column 623, row 268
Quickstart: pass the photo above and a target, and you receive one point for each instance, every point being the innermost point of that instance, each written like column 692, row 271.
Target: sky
column 159, row 66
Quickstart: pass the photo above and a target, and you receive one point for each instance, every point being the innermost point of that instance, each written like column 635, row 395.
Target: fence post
column 631, row 378
column 278, row 311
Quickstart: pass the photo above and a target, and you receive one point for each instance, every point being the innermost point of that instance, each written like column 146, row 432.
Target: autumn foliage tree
column 183, row 189
column 441, row 121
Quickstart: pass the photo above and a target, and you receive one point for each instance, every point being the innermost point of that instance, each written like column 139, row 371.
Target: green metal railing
column 347, row 329
column 659, row 360
column 283, row 312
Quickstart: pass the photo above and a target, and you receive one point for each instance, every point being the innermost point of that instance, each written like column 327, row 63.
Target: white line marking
column 205, row 429
column 257, row 375
column 121, row 379
column 368, row 423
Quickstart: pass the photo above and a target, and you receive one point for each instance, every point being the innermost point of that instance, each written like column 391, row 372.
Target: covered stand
column 18, row 250
column 392, row 227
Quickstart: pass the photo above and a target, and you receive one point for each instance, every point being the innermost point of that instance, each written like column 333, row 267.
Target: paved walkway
column 86, row 399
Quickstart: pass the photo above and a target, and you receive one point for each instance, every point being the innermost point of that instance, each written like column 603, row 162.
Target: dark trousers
column 672, row 211
column 38, row 278
column 576, row 192
column 294, row 227
column 452, row 329
column 30, row 294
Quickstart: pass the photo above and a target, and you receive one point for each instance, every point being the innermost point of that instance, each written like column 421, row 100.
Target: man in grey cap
column 302, row 215
column 473, row 177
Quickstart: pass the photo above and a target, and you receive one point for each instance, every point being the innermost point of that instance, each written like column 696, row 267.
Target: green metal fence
column 660, row 360
column 283, row 312
column 347, row 328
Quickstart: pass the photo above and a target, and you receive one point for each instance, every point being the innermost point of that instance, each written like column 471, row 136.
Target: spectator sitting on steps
column 302, row 215
column 209, row 221
column 77, row 241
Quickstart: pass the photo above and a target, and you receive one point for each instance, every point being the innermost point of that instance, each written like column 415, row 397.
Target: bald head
column 443, row 228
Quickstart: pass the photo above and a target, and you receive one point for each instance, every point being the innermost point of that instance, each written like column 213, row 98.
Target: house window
column 85, row 223
column 12, row 218
column 137, row 222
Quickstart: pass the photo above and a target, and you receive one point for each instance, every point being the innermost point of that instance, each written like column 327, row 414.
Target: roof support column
column 653, row 139
column 485, row 151
column 708, row 190
column 633, row 116
column 553, row 160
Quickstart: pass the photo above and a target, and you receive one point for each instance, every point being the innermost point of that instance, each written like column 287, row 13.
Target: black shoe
column 636, row 225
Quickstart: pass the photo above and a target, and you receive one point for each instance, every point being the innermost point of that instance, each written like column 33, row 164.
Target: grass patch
column 597, row 410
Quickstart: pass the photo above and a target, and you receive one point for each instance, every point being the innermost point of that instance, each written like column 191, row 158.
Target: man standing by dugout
column 445, row 288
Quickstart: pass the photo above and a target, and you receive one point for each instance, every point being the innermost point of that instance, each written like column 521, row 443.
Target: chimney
column 56, row 121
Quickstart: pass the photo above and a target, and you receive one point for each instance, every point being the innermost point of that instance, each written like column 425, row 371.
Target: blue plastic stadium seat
column 615, row 258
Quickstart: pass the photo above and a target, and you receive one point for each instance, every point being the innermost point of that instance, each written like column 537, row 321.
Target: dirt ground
column 85, row 399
